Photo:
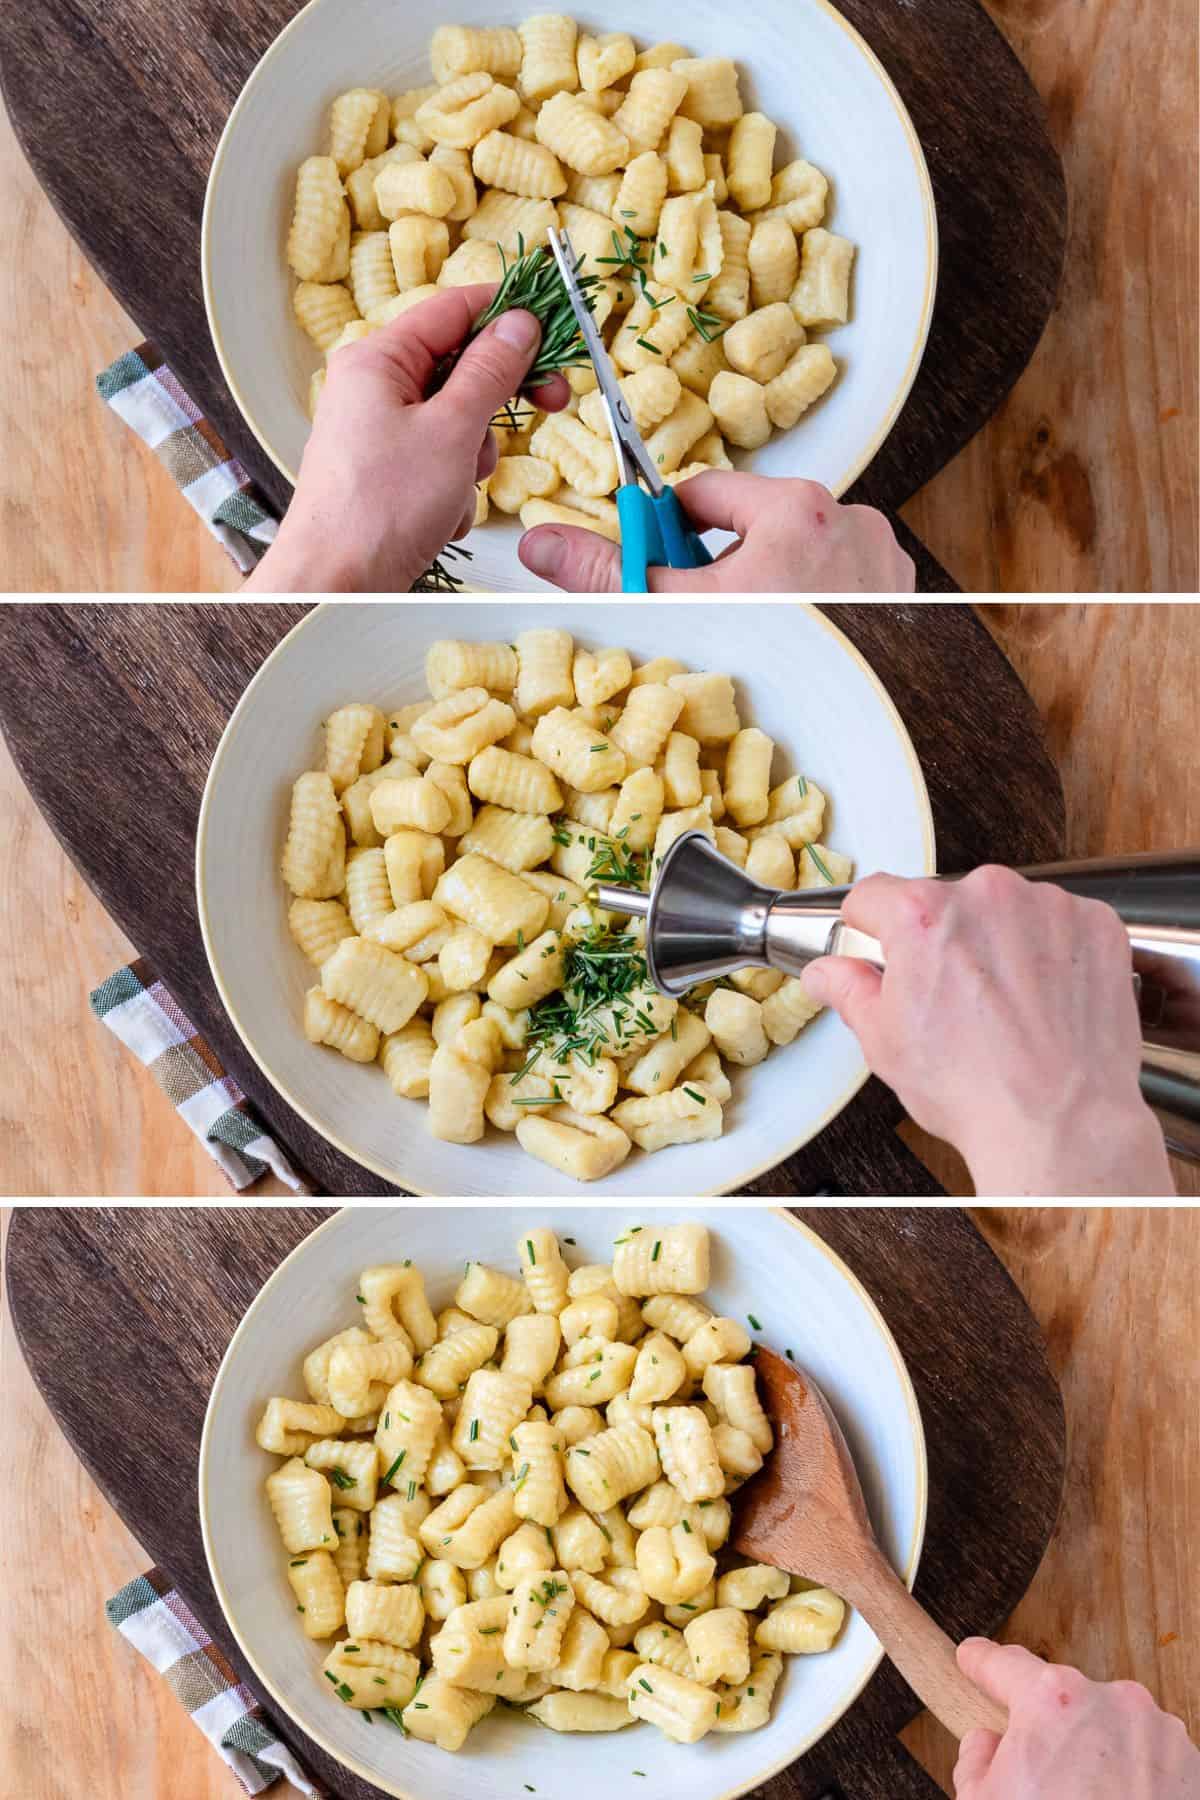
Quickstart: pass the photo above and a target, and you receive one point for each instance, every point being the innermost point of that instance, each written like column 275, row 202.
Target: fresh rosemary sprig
column 438, row 579
column 533, row 283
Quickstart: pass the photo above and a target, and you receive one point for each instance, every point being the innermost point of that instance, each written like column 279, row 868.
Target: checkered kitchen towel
column 148, row 396
column 156, row 1621
column 147, row 1019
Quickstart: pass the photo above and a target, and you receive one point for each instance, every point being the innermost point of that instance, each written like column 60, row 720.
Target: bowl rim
column 911, row 1564
column 928, row 208
column 391, row 1173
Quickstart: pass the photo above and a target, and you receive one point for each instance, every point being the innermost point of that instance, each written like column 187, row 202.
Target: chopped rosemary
column 706, row 324
column 340, row 1479
column 395, row 1466
column 694, row 1095
column 821, row 868
column 474, row 1431
column 802, row 784
column 754, row 1323
column 529, row 1247
column 533, row 283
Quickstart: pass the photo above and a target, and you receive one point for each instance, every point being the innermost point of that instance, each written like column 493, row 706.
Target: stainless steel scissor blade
column 633, row 459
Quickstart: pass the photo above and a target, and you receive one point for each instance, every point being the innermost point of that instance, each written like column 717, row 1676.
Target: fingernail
column 543, row 551
column 518, row 328
column 815, row 982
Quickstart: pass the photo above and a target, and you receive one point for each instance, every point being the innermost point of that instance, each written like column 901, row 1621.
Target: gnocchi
column 463, row 1543
column 441, row 867
column 716, row 251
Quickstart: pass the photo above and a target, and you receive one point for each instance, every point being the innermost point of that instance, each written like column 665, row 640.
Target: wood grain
column 992, row 1414
column 1086, row 478
column 1113, row 383
column 87, row 1119
column 83, row 503
column 105, row 149
column 144, row 693
column 106, row 1726
column 1101, row 1284
column 1115, row 1292
column 1118, row 689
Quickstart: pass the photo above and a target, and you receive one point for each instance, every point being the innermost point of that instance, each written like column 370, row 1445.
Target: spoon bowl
column 804, row 1512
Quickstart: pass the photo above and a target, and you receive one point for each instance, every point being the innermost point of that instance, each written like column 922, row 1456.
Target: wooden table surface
column 1085, row 480
column 1114, row 1292
column 993, row 1417
column 145, row 693
column 1116, row 686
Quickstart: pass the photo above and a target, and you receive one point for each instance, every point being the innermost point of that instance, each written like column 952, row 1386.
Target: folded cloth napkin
column 158, row 1622
column 149, row 1021
column 145, row 392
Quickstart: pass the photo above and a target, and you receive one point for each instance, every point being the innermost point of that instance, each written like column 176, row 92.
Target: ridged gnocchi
column 477, row 1543
column 440, row 865
column 716, row 262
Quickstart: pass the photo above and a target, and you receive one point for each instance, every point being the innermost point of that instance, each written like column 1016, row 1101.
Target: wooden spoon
column 804, row 1512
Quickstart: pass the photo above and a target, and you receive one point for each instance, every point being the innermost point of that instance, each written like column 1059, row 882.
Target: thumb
column 573, row 558
column 851, row 987
column 975, row 1757
column 583, row 562
column 489, row 372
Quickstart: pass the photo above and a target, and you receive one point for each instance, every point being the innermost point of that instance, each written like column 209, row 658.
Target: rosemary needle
column 533, row 283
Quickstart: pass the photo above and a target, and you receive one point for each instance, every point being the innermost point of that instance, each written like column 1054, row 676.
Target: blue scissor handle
column 654, row 531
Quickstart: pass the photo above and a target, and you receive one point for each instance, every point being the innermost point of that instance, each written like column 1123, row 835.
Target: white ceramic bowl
column 764, row 1263
column 796, row 677
column 801, row 63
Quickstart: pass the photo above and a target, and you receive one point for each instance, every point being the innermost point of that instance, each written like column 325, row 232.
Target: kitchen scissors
column 654, row 527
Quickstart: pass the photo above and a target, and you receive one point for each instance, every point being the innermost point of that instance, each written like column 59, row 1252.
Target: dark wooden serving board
column 141, row 693
column 127, row 1377
column 119, row 104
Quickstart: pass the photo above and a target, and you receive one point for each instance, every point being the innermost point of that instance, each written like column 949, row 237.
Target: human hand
column 794, row 538
column 1005, row 1020
column 1069, row 1738
column 388, row 476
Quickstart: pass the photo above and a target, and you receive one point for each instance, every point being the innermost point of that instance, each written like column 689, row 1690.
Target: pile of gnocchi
column 442, row 867
column 526, row 1498
column 714, row 265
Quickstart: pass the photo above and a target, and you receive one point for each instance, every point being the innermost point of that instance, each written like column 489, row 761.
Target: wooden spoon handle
column 923, row 1653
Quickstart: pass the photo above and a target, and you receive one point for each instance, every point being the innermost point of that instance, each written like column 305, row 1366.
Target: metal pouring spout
column 706, row 918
